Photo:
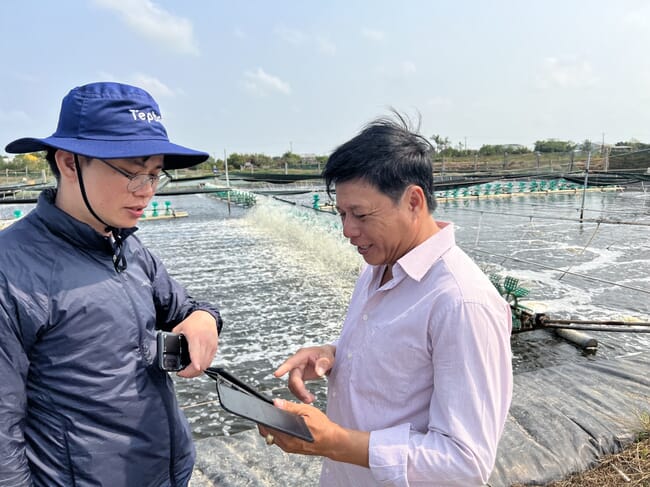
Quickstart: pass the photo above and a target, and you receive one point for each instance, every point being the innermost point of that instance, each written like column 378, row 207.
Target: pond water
column 282, row 275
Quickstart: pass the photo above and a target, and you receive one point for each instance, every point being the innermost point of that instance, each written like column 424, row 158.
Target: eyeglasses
column 137, row 181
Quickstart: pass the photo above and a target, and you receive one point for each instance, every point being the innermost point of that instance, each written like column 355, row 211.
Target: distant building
column 307, row 158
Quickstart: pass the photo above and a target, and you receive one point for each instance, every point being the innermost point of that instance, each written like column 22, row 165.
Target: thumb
column 322, row 366
column 288, row 406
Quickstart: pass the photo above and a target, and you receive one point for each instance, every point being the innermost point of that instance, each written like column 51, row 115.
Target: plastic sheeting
column 563, row 419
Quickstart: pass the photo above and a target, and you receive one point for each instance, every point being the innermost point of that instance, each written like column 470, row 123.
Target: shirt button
column 365, row 317
column 349, row 354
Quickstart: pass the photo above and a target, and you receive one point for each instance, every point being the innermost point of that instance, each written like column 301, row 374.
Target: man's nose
column 147, row 189
column 350, row 228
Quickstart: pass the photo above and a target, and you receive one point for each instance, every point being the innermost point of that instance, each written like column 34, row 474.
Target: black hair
column 387, row 154
column 49, row 157
column 51, row 160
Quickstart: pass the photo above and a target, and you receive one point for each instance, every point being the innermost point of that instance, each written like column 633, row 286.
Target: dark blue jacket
column 82, row 400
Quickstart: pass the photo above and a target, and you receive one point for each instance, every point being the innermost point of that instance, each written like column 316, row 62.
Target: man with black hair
column 82, row 398
column 420, row 379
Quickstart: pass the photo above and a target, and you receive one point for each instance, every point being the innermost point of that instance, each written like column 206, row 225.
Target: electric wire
column 606, row 211
column 559, row 218
column 575, row 274
column 582, row 251
column 197, row 404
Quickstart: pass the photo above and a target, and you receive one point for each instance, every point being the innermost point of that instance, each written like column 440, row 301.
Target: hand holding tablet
column 243, row 400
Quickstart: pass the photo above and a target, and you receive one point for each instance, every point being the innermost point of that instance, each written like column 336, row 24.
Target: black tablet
column 240, row 399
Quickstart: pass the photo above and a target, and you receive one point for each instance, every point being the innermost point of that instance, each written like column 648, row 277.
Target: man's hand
column 307, row 364
column 330, row 439
column 200, row 330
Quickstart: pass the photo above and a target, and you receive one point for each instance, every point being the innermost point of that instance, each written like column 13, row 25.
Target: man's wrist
column 215, row 316
column 352, row 446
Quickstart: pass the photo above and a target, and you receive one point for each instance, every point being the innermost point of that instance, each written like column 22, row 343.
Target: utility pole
column 225, row 163
column 584, row 188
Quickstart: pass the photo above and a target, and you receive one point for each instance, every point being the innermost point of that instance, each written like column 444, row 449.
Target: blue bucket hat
column 111, row 121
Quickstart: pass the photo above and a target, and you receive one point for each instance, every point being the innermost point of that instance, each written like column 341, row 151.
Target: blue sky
column 271, row 76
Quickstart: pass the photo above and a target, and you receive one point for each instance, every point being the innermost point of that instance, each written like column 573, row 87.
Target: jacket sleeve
column 14, row 365
column 173, row 303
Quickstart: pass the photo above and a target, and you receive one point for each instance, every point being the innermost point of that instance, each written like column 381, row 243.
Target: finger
column 286, row 366
column 189, row 372
column 202, row 352
column 203, row 359
column 282, row 404
column 194, row 368
column 298, row 388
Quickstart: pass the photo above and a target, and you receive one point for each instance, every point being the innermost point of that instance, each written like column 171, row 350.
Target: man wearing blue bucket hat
column 83, row 401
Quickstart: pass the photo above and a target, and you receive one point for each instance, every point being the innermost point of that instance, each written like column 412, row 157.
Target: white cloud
column 566, row 74
column 300, row 38
column 372, row 34
column 154, row 86
column 326, row 46
column 638, row 18
column 291, row 36
column 260, row 82
column 408, row 68
column 150, row 21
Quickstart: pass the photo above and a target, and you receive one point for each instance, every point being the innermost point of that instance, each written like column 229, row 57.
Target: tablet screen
column 259, row 411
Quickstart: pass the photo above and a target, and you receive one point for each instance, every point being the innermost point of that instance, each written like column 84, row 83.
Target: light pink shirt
column 424, row 364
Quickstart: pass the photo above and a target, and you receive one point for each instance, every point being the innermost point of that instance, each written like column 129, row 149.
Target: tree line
column 444, row 147
column 36, row 162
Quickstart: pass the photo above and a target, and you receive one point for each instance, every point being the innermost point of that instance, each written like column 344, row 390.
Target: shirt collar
column 417, row 262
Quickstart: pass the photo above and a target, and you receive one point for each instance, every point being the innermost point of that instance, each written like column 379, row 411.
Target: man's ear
column 65, row 163
column 416, row 199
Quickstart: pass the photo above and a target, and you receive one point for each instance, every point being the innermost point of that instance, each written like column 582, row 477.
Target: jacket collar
column 75, row 232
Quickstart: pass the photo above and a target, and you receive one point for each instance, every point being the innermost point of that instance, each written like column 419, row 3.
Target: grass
column 629, row 468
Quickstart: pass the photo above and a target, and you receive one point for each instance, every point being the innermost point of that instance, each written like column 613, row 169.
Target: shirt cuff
column 388, row 455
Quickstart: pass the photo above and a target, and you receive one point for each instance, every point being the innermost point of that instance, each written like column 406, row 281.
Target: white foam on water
column 309, row 238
